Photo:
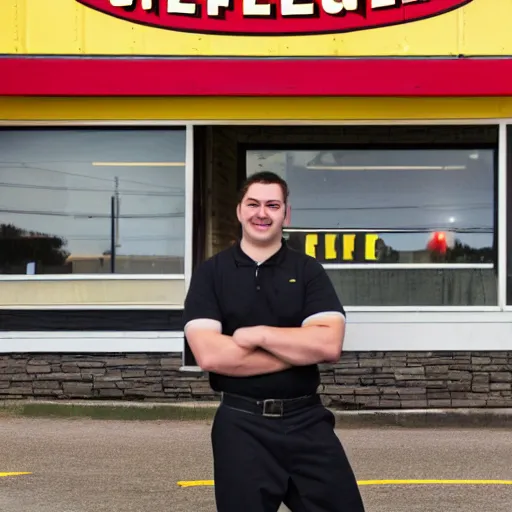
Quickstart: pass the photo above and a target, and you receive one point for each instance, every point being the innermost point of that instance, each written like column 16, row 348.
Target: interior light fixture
column 138, row 164
column 387, row 167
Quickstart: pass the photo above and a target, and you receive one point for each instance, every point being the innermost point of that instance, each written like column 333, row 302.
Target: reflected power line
column 94, row 215
column 87, row 189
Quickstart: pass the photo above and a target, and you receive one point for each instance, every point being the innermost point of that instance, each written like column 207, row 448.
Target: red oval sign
column 272, row 17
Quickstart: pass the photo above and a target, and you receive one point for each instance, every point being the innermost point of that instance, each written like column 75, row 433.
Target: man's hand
column 250, row 337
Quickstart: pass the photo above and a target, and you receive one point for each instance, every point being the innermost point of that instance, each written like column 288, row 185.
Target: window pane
column 404, row 196
column 71, row 195
column 394, row 206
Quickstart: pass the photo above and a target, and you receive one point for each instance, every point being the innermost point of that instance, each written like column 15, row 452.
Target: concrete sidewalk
column 124, row 410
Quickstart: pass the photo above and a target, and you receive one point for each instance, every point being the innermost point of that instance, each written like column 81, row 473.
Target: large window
column 394, row 226
column 92, row 201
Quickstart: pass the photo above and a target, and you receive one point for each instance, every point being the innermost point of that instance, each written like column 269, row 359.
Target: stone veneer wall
column 365, row 380
column 148, row 377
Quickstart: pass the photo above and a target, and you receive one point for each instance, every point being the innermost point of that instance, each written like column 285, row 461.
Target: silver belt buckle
column 273, row 408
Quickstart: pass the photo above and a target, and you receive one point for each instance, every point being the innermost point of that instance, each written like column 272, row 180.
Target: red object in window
column 438, row 243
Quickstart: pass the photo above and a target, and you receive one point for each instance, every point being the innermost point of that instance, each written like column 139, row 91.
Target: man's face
column 262, row 212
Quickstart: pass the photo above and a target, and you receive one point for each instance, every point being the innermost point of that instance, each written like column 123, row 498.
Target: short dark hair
column 266, row 177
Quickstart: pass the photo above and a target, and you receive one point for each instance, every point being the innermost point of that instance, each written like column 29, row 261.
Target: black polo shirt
column 283, row 291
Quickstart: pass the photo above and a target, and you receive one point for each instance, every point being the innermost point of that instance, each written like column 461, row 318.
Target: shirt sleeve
column 201, row 301
column 321, row 297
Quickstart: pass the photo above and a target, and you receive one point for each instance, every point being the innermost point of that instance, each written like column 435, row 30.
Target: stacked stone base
column 411, row 380
column 148, row 377
column 364, row 380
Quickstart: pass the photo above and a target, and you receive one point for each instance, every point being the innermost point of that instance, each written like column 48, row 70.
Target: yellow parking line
column 196, row 483
column 435, row 482
column 210, row 483
column 13, row 474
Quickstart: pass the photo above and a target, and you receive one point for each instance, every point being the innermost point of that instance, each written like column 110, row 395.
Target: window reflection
column 72, row 197
column 412, row 206
column 347, row 246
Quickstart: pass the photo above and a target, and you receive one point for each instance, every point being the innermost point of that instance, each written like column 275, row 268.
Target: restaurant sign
column 272, row 17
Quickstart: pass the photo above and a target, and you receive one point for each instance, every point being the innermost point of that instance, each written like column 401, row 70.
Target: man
column 259, row 317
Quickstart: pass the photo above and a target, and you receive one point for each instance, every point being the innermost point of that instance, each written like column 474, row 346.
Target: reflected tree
column 385, row 253
column 463, row 253
column 18, row 247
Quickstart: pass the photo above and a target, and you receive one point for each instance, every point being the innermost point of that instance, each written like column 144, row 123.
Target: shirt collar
column 242, row 259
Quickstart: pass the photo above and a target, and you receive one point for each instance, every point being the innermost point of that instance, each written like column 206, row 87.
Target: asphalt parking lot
column 78, row 465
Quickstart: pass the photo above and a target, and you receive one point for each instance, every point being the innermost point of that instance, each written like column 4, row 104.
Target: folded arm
column 319, row 340
column 215, row 352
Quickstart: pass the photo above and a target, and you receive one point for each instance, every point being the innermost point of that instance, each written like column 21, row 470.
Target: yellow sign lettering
column 326, row 247
column 311, row 243
column 349, row 245
column 370, row 247
column 330, row 247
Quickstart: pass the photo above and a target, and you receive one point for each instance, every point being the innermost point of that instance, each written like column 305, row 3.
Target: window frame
column 505, row 165
column 189, row 201
column 500, row 196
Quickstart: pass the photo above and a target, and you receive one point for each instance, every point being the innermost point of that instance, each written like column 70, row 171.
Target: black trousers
column 261, row 462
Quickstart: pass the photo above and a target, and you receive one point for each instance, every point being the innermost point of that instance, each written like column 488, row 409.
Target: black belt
column 269, row 407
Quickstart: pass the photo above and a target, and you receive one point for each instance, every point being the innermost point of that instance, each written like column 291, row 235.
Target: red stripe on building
column 116, row 76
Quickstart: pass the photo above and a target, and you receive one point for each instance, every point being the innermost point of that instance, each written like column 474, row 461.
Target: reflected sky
column 59, row 182
column 420, row 189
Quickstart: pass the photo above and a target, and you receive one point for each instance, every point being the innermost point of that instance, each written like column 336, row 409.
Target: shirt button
column 258, row 287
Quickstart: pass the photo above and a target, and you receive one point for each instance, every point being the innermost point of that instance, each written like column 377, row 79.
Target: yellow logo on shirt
column 292, row 281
